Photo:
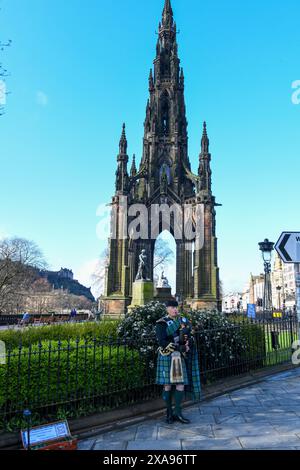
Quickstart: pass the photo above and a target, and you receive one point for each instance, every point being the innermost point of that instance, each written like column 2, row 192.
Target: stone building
column 66, row 273
column 164, row 177
column 233, row 302
column 256, row 290
column 283, row 284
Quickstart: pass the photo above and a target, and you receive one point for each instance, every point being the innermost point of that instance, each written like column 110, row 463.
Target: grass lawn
column 284, row 353
column 284, row 339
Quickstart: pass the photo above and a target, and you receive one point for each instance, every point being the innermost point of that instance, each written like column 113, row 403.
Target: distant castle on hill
column 64, row 279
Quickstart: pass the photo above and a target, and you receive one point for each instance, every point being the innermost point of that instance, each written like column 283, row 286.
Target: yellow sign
column 277, row 314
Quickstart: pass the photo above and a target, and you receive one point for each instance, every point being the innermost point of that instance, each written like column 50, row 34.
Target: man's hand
column 170, row 348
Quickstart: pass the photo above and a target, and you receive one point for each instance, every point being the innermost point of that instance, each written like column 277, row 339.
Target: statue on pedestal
column 143, row 268
column 163, row 281
column 142, row 288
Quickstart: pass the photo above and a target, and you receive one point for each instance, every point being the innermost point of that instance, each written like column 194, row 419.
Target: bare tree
column 41, row 286
column 66, row 301
column 98, row 277
column 163, row 255
column 19, row 261
column 221, row 289
column 39, row 299
column 23, row 252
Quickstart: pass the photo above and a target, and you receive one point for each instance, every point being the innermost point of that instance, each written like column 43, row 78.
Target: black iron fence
column 247, row 345
column 73, row 375
column 76, row 377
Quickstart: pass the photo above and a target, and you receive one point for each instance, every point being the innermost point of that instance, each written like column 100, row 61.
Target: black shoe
column 181, row 419
column 169, row 418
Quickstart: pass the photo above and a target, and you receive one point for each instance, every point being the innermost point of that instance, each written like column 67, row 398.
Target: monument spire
column 123, row 142
column 151, row 81
column 167, row 16
column 133, row 170
column 122, row 159
column 204, row 140
column 204, row 162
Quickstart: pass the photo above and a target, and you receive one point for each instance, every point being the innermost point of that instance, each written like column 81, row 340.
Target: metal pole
column 27, row 416
column 279, row 300
column 291, row 330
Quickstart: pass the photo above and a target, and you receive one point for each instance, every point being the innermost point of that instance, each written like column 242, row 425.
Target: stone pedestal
column 163, row 294
column 206, row 302
column 142, row 293
column 115, row 306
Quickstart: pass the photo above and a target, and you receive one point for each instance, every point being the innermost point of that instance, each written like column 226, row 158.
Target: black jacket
column 164, row 339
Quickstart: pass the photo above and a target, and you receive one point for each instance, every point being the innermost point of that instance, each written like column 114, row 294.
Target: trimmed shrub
column 255, row 337
column 62, row 372
column 34, row 334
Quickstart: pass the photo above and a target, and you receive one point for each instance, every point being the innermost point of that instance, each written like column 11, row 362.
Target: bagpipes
column 185, row 335
column 185, row 338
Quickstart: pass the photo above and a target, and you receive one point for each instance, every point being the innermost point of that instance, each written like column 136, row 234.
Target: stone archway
column 164, row 259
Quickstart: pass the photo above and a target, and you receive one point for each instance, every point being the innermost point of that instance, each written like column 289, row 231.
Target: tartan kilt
column 163, row 370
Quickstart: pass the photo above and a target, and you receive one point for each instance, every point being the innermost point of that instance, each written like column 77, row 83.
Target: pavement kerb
column 87, row 427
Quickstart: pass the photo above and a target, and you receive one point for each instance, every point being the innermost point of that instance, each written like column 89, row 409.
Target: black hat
column 172, row 303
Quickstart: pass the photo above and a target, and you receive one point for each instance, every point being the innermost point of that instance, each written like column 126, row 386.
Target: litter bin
column 275, row 339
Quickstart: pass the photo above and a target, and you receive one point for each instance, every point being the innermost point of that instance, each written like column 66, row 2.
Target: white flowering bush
column 226, row 347
column 138, row 327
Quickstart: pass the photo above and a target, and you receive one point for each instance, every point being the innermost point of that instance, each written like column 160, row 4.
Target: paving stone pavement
column 261, row 416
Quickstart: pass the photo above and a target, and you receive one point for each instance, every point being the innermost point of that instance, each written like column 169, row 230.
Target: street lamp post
column 266, row 247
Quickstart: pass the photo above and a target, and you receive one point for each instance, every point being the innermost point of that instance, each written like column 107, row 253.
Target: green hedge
column 255, row 338
column 34, row 334
column 71, row 373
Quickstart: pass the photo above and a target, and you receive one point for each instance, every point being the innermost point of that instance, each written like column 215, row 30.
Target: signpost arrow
column 288, row 247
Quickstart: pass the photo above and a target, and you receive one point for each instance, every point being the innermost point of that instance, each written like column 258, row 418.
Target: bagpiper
column 177, row 362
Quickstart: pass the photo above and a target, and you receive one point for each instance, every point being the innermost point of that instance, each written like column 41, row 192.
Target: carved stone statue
column 143, row 268
column 163, row 281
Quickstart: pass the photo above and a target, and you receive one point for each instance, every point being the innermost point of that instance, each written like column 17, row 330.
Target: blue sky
column 79, row 69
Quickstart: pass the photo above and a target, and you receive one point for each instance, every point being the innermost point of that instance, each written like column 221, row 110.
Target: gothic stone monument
column 164, row 176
